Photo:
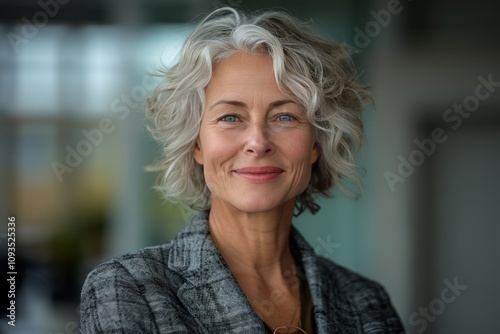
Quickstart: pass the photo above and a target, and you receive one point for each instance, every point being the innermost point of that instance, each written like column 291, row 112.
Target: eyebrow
column 241, row 104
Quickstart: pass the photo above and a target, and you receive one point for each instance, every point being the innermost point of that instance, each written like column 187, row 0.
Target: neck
column 255, row 247
column 253, row 243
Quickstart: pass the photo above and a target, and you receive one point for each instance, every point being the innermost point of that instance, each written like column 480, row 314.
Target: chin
column 261, row 204
column 254, row 201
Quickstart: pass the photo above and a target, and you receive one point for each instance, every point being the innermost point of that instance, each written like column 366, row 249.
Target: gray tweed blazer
column 184, row 286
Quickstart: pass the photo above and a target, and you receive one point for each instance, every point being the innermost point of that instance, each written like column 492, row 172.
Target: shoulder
column 128, row 276
column 151, row 269
column 345, row 297
column 114, row 286
column 150, row 264
column 340, row 282
column 133, row 293
column 146, row 262
column 365, row 297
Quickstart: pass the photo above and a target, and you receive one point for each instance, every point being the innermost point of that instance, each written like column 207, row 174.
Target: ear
column 197, row 152
column 314, row 153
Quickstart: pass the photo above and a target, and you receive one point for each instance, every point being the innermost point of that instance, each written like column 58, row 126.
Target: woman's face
column 255, row 144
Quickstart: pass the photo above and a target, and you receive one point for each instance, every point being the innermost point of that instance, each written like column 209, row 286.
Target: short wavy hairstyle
column 318, row 73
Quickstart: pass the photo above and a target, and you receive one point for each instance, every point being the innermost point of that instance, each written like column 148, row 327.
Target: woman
column 258, row 117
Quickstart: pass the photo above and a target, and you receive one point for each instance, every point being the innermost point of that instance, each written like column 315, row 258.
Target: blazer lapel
column 210, row 292
column 332, row 313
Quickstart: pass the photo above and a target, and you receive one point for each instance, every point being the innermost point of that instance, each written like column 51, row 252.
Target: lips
column 259, row 174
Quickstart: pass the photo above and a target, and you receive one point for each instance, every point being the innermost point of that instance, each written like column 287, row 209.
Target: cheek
column 217, row 169
column 217, row 152
column 217, row 148
column 208, row 145
column 301, row 147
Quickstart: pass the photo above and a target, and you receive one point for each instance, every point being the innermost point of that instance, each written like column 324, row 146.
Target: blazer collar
column 332, row 311
column 210, row 292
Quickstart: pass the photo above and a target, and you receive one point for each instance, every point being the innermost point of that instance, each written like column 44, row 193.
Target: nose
column 258, row 142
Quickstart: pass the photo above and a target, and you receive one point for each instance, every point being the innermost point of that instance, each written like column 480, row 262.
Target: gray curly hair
column 319, row 73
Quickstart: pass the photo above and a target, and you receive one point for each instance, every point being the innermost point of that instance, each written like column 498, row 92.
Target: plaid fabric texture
column 184, row 286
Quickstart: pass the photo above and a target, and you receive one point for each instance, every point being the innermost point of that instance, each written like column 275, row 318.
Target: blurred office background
column 73, row 147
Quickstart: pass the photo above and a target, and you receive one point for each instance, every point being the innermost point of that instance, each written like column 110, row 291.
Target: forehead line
column 242, row 104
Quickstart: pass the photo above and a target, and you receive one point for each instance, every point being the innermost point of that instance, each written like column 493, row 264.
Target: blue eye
column 230, row 119
column 286, row 118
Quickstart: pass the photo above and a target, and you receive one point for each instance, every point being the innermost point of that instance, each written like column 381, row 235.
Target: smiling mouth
column 259, row 174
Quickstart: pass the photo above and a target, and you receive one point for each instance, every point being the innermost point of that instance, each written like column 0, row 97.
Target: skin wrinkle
column 260, row 140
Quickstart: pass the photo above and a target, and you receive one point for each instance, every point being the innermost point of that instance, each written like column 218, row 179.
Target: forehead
column 243, row 69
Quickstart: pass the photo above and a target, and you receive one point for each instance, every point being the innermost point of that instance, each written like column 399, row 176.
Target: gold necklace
column 286, row 329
